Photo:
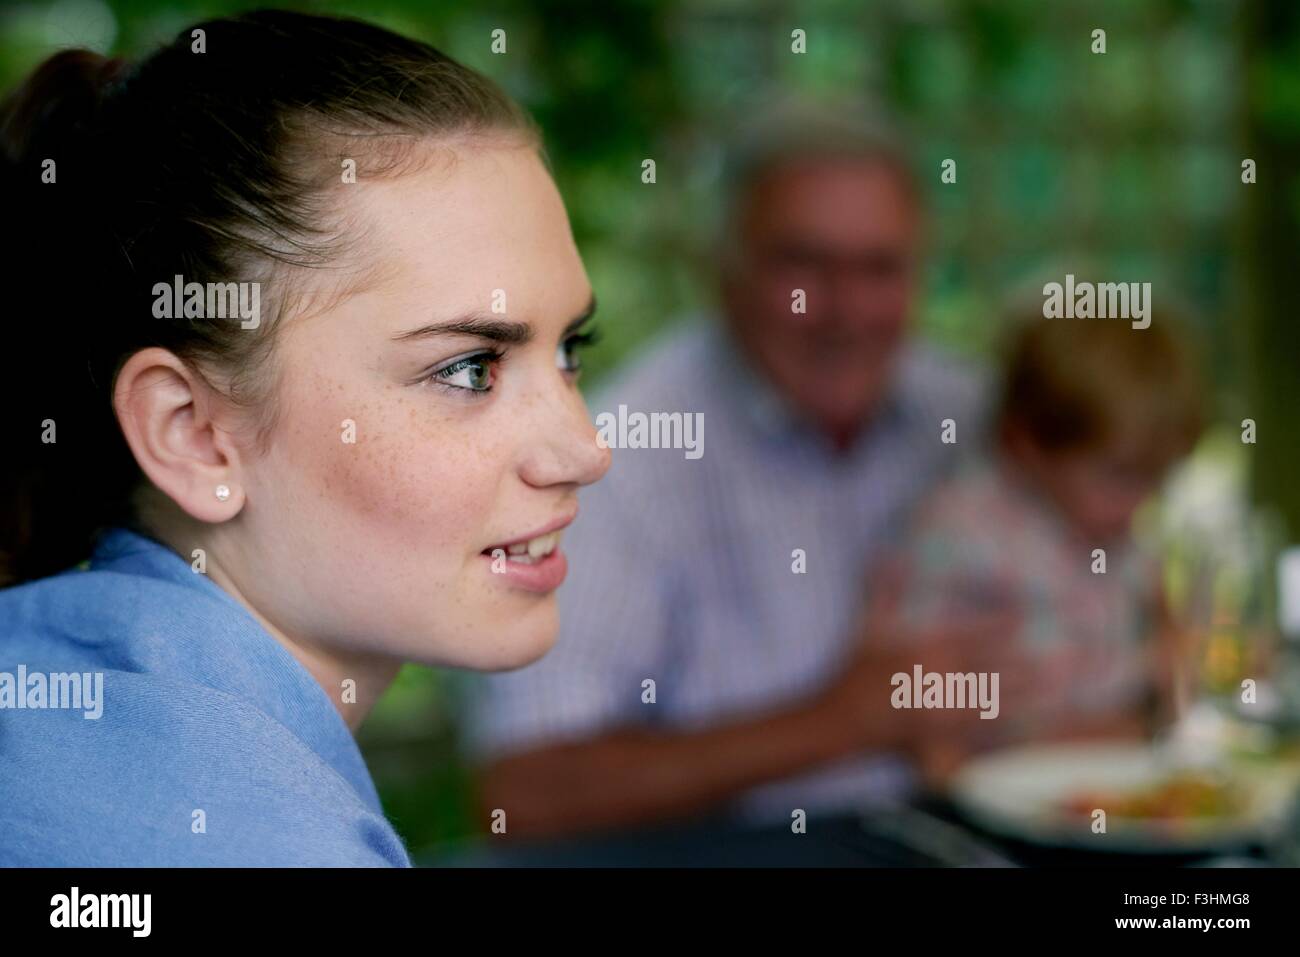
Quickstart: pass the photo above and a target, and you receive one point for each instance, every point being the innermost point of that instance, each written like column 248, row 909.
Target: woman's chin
column 517, row 642
column 520, row 651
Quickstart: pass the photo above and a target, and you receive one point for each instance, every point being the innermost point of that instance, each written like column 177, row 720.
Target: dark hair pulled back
column 217, row 159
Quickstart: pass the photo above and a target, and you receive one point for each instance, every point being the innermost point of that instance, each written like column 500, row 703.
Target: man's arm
column 637, row 777
column 629, row 778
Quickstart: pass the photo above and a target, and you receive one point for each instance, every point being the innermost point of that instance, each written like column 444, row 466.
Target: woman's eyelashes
column 472, row 373
column 477, row 373
column 567, row 355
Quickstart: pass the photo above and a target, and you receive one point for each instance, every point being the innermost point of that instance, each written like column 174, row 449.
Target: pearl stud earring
column 223, row 492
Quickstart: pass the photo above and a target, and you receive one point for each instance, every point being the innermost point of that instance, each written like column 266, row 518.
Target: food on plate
column 1185, row 794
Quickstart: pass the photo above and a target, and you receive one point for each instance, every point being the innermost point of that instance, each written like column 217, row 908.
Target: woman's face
column 428, row 421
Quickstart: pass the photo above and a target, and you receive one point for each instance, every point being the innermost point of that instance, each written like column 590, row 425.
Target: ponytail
column 68, row 469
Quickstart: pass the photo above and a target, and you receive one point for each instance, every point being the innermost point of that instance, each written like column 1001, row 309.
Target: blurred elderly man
column 712, row 656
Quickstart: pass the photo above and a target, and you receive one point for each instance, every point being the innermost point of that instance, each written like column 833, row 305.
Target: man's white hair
column 796, row 128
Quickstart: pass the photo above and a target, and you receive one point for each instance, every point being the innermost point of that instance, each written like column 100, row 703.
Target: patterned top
column 986, row 541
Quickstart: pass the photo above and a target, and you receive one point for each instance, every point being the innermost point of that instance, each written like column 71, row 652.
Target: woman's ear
column 170, row 418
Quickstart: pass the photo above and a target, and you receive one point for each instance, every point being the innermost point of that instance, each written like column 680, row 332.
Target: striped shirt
column 682, row 569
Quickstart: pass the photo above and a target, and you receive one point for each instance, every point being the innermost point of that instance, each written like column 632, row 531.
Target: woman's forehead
column 488, row 216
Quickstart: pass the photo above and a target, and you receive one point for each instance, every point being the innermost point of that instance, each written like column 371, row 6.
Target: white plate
column 1019, row 792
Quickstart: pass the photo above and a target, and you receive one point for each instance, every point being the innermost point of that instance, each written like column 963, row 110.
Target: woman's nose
column 565, row 450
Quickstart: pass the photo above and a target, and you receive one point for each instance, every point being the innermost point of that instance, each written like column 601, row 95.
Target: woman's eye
column 473, row 373
column 566, row 357
column 567, row 354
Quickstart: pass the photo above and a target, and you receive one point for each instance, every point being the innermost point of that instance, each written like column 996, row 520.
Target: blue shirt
column 213, row 745
column 682, row 570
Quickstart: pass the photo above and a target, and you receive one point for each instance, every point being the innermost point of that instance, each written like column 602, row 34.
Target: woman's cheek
column 454, row 460
column 403, row 468
column 419, row 477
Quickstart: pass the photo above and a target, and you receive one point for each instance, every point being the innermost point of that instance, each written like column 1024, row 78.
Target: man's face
column 846, row 233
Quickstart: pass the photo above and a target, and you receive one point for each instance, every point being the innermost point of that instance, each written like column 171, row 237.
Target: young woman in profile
column 367, row 462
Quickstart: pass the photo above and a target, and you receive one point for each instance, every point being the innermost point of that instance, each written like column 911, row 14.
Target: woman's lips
column 541, row 575
column 533, row 563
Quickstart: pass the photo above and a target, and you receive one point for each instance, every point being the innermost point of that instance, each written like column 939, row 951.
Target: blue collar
column 233, row 653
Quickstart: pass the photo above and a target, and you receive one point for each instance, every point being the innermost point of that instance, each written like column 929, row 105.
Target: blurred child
column 1093, row 414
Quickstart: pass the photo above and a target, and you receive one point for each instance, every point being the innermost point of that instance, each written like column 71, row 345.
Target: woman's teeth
column 534, row 549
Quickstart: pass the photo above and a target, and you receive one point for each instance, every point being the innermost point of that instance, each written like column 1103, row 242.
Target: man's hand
column 859, row 702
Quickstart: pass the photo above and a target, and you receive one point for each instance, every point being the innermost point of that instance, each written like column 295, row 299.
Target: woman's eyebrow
column 480, row 326
column 489, row 327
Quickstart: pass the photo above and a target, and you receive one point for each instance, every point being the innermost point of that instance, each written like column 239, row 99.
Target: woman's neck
column 353, row 682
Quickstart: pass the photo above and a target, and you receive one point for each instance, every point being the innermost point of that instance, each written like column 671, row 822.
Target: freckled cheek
column 416, row 480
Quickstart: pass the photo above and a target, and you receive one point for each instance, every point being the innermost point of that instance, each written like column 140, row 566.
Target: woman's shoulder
column 146, row 718
column 100, row 616
column 149, row 771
